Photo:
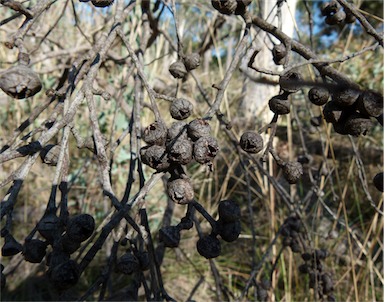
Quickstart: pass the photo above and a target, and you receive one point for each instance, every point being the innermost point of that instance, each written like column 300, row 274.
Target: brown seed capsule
column 128, row 264
column 155, row 134
column 20, row 82
column 279, row 54
column 34, row 250
column 295, row 246
column 205, row 149
column 170, row 236
column 279, row 104
column 192, row 61
column 177, row 130
column 80, row 227
column 327, row 284
column 57, row 257
column 11, row 247
column 50, row 154
column 181, row 109
column 178, row 70
column 356, row 125
column 180, row 190
column 329, row 8
column 156, row 157
column 350, row 18
column 226, row 7
column 318, row 96
column 371, row 103
column 332, row 112
column 337, row 18
column 229, row 231
column 209, row 247
column 198, row 128
column 65, row 275
column 180, row 151
column 321, row 254
column 378, row 181
column 229, row 211
column 251, row 142
column 345, row 97
column 294, row 223
column 48, row 227
column 290, row 81
column 292, row 171
column 102, row 3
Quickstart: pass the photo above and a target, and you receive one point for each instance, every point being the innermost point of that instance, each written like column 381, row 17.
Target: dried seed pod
column 155, row 133
column 192, row 61
column 65, row 275
column 80, row 227
column 294, row 223
column 350, row 18
column 181, row 109
column 180, row 190
column 337, row 18
column 57, row 257
column 378, row 181
column 321, row 254
column 144, row 260
column 251, row 142
column 316, row 121
column 306, row 256
column 345, row 97
column 11, row 247
column 69, row 245
column 303, row 268
column 198, row 128
column 279, row 104
column 332, row 112
column 209, row 247
column 279, row 54
column 34, row 250
column 290, row 81
column 177, row 130
column 178, row 70
column 327, row 284
column 356, row 125
column 128, row 264
column 180, row 151
column 229, row 231
column 292, row 171
column 156, row 157
column 329, row 8
column 185, row 223
column 205, row 149
column 226, row 7
column 20, row 82
column 50, row 154
column 228, row 211
column 49, row 227
column 318, row 96
column 371, row 103
column 242, row 6
column 102, row 3
column 295, row 246
column 170, row 236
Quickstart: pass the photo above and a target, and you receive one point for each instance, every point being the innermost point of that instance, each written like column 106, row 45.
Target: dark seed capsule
column 102, row 3
column 209, row 247
column 65, row 275
column 295, row 246
column 155, row 157
column 170, row 236
column 144, row 260
column 350, row 18
column 337, row 18
column 186, row 223
column 205, row 149
column 50, row 154
column 34, row 250
column 198, row 128
column 291, row 81
column 180, row 191
column 180, row 151
column 378, row 181
column 279, row 104
column 306, row 256
column 279, row 54
column 192, row 61
column 70, row 246
column 20, row 82
column 226, row 7
column 48, row 227
column 11, row 247
column 241, row 6
column 155, row 134
column 371, row 103
column 329, row 8
column 303, row 269
column 251, row 142
column 178, row 70
column 229, row 231
column 80, row 227
column 128, row 264
column 292, row 171
column 345, row 97
column 229, row 211
column 181, row 109
column 332, row 112
column 327, row 284
column 177, row 130
column 318, row 96
column 57, row 257
column 356, row 125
